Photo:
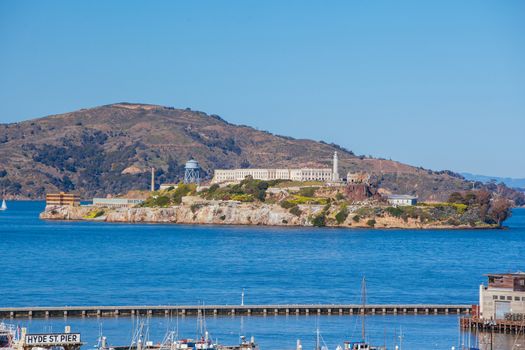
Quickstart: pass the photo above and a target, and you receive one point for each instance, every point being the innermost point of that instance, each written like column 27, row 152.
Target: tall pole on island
column 152, row 179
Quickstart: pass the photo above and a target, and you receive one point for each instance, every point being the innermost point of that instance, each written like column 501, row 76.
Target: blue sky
column 439, row 84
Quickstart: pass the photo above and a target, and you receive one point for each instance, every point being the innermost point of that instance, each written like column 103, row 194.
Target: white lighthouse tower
column 335, row 170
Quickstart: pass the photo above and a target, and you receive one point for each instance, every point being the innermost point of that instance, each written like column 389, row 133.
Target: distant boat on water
column 4, row 205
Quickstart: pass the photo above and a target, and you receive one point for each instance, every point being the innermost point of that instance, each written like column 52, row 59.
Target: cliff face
column 232, row 213
column 110, row 149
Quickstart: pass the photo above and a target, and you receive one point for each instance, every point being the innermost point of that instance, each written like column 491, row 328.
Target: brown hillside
column 102, row 150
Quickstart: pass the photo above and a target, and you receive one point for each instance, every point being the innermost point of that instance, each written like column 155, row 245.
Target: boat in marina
column 361, row 344
column 9, row 335
column 172, row 341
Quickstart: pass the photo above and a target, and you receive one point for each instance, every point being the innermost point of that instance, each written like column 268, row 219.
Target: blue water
column 79, row 263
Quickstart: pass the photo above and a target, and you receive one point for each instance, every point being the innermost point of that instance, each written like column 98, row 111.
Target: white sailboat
column 4, row 205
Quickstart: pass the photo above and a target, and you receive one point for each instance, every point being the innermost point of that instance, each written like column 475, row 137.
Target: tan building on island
column 504, row 295
column 63, row 198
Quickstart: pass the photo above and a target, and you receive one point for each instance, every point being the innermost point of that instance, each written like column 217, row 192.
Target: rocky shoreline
column 236, row 213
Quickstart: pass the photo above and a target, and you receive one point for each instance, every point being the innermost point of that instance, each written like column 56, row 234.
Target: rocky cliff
column 234, row 213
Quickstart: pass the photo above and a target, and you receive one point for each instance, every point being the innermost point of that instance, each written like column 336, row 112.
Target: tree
column 500, row 210
column 456, row 197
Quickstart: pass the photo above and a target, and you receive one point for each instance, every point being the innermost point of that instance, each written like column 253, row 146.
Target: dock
column 496, row 326
column 234, row 310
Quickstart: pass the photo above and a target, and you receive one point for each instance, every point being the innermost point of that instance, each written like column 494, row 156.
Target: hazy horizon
column 433, row 84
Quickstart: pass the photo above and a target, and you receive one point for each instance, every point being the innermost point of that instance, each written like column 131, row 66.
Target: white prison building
column 306, row 174
column 303, row 174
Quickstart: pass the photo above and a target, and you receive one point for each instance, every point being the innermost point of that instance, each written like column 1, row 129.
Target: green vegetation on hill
column 169, row 197
column 248, row 190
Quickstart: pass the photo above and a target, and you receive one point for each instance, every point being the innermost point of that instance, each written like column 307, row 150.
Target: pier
column 496, row 326
column 234, row 310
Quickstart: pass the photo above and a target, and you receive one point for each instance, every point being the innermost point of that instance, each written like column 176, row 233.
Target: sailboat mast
column 317, row 342
column 363, row 300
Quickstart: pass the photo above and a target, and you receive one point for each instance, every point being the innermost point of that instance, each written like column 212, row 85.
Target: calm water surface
column 77, row 263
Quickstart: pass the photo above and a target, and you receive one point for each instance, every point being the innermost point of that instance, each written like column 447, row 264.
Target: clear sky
column 439, row 84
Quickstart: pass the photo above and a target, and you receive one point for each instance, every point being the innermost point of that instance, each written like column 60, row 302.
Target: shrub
column 94, row 213
column 307, row 200
column 339, row 196
column 181, row 191
column 223, row 217
column 394, row 211
column 162, row 201
column 242, row 197
column 371, row 222
column 287, row 204
column 341, row 216
column 307, row 191
column 319, row 220
column 295, row 210
column 194, row 207
column 356, row 218
column 213, row 188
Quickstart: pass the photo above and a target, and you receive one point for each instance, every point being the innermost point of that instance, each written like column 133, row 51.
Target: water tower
column 192, row 172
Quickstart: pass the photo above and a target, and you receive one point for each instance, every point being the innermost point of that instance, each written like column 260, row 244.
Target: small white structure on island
column 297, row 174
column 167, row 186
column 116, row 202
column 401, row 199
column 192, row 172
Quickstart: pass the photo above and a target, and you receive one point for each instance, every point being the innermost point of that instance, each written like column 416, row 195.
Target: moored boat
column 8, row 336
column 361, row 344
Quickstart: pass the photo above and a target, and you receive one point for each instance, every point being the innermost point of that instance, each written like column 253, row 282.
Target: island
column 295, row 203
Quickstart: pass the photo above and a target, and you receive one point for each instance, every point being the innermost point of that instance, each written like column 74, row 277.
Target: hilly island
column 110, row 151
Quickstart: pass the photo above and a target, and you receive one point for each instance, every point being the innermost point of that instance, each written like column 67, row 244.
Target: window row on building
column 508, row 298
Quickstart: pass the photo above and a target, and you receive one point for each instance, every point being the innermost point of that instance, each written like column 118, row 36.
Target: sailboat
column 4, row 205
column 362, row 344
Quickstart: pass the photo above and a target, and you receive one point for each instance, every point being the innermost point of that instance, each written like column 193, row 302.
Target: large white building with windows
column 302, row 174
column 504, row 295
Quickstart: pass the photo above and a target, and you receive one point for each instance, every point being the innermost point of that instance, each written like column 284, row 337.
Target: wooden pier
column 234, row 310
column 496, row 326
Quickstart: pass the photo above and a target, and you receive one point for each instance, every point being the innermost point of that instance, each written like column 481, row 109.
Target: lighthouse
column 335, row 170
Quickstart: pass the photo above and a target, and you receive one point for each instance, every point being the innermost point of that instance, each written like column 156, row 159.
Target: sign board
column 52, row 339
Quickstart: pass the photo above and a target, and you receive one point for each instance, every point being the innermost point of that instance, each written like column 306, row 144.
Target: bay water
column 94, row 263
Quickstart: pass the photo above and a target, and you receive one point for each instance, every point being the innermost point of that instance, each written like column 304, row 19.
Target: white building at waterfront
column 504, row 295
column 299, row 174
